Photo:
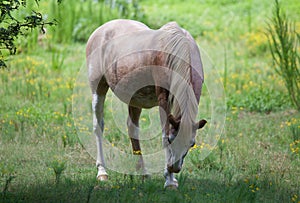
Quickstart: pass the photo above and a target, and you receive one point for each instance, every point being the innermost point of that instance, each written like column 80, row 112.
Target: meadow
column 255, row 158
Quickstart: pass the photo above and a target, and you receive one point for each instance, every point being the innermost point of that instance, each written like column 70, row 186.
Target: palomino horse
column 146, row 68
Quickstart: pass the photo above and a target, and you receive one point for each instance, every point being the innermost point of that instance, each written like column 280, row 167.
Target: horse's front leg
column 171, row 181
column 164, row 111
column 133, row 131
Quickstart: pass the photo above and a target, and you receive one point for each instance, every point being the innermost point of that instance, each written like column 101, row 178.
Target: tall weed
column 284, row 46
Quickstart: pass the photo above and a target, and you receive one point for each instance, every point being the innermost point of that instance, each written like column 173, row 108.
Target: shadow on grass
column 122, row 188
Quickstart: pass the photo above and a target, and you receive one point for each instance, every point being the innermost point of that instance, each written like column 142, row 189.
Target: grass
column 255, row 160
column 257, row 165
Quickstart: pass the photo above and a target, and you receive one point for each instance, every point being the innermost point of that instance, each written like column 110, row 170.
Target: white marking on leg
column 133, row 130
column 170, row 179
column 98, row 126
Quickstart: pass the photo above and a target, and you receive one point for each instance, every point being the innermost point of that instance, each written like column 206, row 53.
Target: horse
column 145, row 68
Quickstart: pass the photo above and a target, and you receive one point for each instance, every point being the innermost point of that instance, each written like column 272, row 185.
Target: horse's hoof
column 102, row 177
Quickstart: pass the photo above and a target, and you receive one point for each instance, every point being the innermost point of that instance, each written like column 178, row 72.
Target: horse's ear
column 175, row 123
column 201, row 124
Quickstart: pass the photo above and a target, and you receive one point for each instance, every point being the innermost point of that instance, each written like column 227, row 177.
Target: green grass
column 255, row 160
column 256, row 165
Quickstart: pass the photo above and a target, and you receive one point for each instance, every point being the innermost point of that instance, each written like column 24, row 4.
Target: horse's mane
column 182, row 98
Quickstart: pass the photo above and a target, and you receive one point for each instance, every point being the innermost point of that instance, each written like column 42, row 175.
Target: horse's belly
column 135, row 87
column 145, row 98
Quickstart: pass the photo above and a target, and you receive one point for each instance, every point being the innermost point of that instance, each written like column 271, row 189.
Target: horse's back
column 110, row 30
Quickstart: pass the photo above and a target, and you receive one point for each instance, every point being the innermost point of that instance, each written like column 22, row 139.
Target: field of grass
column 256, row 158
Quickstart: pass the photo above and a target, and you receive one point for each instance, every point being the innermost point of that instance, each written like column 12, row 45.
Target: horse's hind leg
column 133, row 131
column 98, row 127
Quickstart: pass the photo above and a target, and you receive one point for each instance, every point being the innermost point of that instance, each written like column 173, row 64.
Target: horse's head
column 178, row 148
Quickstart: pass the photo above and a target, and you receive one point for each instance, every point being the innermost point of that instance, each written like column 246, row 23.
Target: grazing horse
column 146, row 68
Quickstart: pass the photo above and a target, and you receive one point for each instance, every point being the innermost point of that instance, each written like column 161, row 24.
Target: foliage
column 77, row 21
column 74, row 20
column 7, row 174
column 41, row 158
column 12, row 27
column 58, row 165
column 284, row 45
column 128, row 9
column 259, row 99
